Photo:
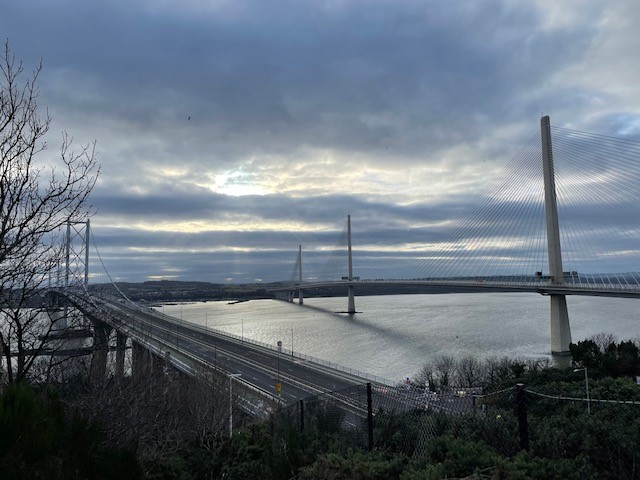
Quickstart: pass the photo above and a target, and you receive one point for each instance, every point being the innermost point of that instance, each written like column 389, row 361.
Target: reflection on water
column 396, row 334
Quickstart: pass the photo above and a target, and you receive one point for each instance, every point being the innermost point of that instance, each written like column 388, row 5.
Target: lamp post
column 292, row 343
column 586, row 386
column 231, row 377
column 279, row 383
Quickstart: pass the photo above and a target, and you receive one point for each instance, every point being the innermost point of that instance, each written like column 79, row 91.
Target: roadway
column 480, row 285
column 260, row 367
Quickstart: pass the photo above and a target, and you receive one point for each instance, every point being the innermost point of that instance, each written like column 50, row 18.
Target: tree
column 36, row 200
column 39, row 440
column 586, row 353
column 469, row 372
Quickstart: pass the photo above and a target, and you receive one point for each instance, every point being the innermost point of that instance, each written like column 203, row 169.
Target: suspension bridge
column 561, row 219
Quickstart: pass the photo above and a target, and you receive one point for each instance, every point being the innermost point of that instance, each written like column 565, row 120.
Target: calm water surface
column 394, row 335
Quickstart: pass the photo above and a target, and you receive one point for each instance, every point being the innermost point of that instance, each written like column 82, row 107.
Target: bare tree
column 159, row 414
column 425, row 377
column 36, row 200
column 604, row 339
column 469, row 371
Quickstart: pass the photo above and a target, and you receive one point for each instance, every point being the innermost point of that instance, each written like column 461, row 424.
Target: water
column 395, row 335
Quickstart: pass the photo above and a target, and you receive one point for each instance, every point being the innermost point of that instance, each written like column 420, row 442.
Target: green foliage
column 459, row 457
column 449, row 457
column 616, row 360
column 37, row 440
column 397, row 432
column 587, row 353
column 525, row 466
column 247, row 456
column 355, row 465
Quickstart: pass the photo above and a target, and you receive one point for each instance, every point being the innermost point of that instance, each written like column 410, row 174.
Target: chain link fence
column 602, row 436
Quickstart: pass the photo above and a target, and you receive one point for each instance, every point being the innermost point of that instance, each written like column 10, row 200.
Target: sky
column 232, row 131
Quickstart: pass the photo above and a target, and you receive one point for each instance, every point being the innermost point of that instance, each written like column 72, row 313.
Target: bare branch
column 35, row 202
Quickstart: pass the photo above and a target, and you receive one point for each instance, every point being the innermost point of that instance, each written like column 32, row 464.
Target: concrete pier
column 101, row 333
column 121, row 345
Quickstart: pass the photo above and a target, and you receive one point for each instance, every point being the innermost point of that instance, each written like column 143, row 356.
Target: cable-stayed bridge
column 562, row 219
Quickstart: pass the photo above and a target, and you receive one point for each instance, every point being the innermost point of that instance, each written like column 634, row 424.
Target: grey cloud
column 206, row 89
column 203, row 204
column 270, row 80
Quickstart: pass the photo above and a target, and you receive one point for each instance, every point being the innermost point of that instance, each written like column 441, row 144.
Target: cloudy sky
column 231, row 131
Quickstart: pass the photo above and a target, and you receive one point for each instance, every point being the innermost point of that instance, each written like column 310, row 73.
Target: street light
column 586, row 386
column 279, row 383
column 231, row 377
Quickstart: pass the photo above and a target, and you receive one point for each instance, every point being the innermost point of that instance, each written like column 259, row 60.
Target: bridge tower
column 76, row 269
column 77, row 256
column 300, row 294
column 351, row 309
column 560, row 327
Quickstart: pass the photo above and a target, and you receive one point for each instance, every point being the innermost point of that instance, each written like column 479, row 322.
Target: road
column 260, row 367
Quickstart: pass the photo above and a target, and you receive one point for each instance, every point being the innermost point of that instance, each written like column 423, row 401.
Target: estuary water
column 394, row 335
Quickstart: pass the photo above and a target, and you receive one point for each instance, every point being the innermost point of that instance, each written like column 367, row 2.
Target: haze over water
column 394, row 335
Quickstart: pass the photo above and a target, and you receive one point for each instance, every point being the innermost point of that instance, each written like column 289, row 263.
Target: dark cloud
column 393, row 111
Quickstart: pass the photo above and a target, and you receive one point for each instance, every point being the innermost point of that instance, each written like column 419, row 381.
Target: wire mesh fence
column 600, row 438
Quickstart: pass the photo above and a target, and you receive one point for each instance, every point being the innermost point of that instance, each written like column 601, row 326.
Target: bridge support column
column 139, row 360
column 560, row 328
column 101, row 333
column 58, row 318
column 351, row 304
column 158, row 365
column 121, row 345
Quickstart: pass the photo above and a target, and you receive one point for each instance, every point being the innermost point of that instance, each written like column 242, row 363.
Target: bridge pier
column 121, row 345
column 140, row 366
column 351, row 304
column 58, row 317
column 560, row 327
column 145, row 363
column 101, row 333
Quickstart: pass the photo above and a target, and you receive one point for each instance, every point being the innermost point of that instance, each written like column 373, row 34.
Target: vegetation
column 39, row 440
column 608, row 358
column 173, row 427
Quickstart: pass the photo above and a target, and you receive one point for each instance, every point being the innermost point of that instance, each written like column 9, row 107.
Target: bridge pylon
column 351, row 307
column 560, row 327
column 300, row 294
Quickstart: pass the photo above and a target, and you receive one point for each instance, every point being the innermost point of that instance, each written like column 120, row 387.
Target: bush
column 37, row 440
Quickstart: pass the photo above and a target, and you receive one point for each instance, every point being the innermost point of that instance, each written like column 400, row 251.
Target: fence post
column 522, row 416
column 370, row 416
column 301, row 402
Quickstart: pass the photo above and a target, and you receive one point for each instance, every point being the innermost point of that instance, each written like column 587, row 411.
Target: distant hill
column 173, row 290
column 182, row 291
